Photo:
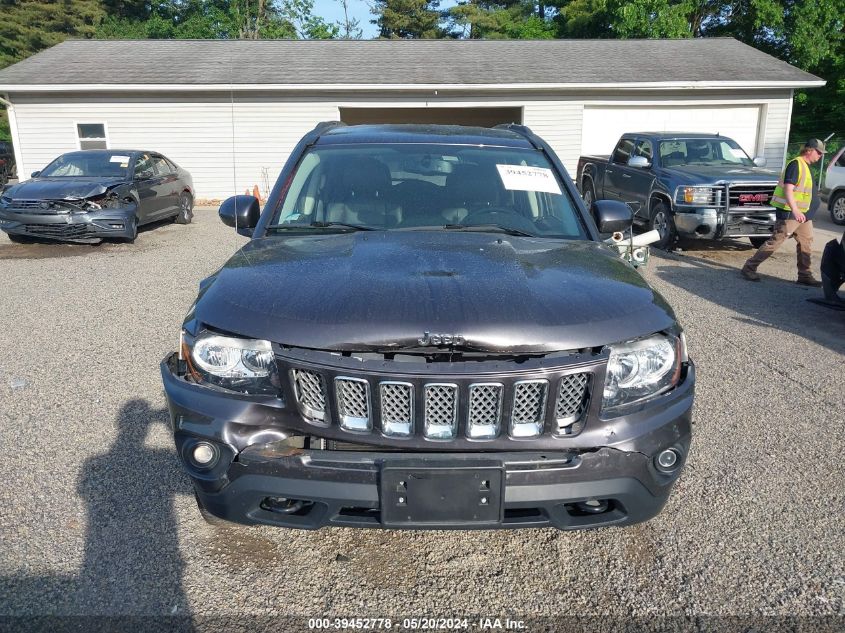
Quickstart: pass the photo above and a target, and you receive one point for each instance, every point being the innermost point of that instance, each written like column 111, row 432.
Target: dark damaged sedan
column 89, row 195
column 426, row 331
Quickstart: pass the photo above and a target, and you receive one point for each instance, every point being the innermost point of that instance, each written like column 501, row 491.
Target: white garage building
column 231, row 111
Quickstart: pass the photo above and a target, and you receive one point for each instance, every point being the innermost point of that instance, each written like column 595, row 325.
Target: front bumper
column 610, row 464
column 713, row 224
column 83, row 227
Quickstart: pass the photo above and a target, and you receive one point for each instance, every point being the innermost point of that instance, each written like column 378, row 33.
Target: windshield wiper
column 320, row 225
column 498, row 228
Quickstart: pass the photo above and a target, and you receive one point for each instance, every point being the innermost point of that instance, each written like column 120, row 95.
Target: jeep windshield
column 703, row 151
column 428, row 187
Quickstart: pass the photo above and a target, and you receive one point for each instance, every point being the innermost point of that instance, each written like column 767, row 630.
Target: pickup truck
column 690, row 185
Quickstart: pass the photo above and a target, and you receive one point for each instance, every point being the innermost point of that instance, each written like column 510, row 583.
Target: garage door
column 482, row 117
column 604, row 125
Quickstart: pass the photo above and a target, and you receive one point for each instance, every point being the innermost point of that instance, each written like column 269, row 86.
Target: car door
column 146, row 181
column 637, row 180
column 167, row 187
column 614, row 181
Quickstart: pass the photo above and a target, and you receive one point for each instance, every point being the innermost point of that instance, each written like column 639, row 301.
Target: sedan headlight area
column 236, row 364
column 641, row 369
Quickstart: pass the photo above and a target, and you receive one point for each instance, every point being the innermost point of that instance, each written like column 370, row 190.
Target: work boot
column 750, row 275
column 809, row 280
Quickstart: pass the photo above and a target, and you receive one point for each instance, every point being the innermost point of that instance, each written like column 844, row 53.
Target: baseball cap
column 816, row 144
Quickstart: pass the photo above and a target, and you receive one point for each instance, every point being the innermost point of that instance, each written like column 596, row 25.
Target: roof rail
column 323, row 126
column 524, row 130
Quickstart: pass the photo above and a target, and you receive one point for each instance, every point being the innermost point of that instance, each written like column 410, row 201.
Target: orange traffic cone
column 256, row 193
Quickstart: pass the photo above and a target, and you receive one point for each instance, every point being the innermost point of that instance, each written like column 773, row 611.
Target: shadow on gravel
column 132, row 565
column 773, row 302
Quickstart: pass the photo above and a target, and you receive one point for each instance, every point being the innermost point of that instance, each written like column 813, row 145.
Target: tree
column 649, row 18
column 349, row 28
column 407, row 19
column 29, row 26
column 506, row 19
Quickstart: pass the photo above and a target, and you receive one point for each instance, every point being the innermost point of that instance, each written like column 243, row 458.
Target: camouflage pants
column 784, row 229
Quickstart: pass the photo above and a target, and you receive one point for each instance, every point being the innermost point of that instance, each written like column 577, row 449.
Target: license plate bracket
column 442, row 496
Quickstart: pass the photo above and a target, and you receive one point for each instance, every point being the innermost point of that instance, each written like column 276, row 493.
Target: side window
column 644, row 150
column 92, row 136
column 144, row 167
column 841, row 161
column 301, row 200
column 623, row 151
column 171, row 164
column 161, row 166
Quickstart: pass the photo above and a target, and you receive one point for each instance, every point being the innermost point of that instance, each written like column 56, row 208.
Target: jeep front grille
column 310, row 390
column 397, row 408
column 529, row 406
column 485, row 410
column 473, row 409
column 441, row 411
column 353, row 403
column 571, row 401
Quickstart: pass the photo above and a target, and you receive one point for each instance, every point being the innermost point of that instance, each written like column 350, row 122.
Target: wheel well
column 836, row 192
column 587, row 175
column 659, row 197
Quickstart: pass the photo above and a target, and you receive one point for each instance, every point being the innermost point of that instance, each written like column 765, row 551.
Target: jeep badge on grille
column 441, row 339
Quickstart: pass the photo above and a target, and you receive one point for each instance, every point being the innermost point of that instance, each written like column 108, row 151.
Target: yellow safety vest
column 803, row 191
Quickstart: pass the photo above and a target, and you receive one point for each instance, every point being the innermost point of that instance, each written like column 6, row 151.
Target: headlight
column 640, row 369
column 237, row 364
column 698, row 195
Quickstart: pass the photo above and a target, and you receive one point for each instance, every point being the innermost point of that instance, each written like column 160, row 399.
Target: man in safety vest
column 796, row 204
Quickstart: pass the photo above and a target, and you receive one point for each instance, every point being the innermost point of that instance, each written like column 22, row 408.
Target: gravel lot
column 97, row 517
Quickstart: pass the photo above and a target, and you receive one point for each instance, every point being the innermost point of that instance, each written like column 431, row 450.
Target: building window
column 92, row 136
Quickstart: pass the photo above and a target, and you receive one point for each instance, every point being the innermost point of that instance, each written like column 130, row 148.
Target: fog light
column 668, row 459
column 204, row 454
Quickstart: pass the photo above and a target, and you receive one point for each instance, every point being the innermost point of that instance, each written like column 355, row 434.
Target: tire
column 20, row 239
column 836, row 206
column 186, row 209
column 588, row 194
column 757, row 242
column 134, row 234
column 662, row 221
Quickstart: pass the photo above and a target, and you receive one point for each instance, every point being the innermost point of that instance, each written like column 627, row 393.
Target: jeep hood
column 61, row 188
column 384, row 289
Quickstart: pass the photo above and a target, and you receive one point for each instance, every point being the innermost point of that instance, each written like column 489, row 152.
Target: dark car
column 7, row 162
column 683, row 184
column 426, row 331
column 89, row 195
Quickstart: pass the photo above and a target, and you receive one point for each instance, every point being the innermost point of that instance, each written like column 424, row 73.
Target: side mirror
column 760, row 161
column 241, row 212
column 612, row 215
column 639, row 161
column 34, row 174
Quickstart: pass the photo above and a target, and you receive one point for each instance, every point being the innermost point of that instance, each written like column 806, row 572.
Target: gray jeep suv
column 426, row 331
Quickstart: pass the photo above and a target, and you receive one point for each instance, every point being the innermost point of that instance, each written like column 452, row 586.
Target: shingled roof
column 405, row 63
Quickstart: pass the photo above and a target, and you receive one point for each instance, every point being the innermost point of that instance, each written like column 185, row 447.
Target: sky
column 332, row 11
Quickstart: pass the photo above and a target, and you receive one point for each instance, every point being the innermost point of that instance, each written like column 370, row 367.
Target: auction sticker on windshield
column 119, row 159
column 524, row 178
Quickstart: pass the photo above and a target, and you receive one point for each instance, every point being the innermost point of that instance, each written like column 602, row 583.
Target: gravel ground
column 97, row 517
